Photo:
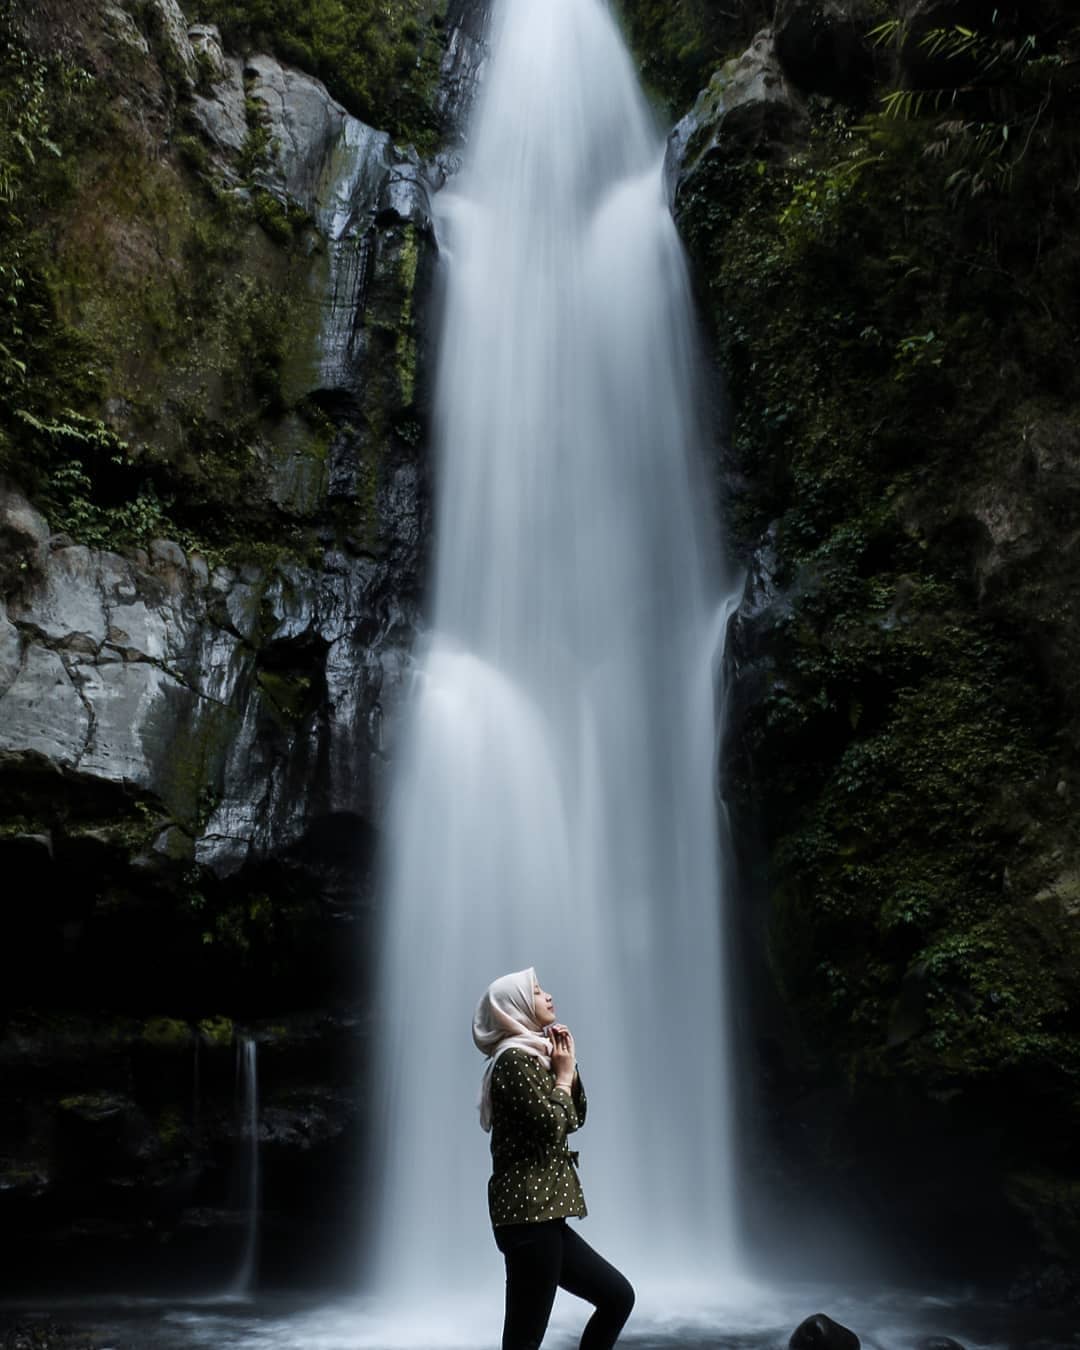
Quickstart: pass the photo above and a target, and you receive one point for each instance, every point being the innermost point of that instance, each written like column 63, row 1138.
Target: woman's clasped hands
column 563, row 1055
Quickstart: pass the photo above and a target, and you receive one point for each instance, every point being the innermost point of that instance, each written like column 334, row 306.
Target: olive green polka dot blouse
column 534, row 1176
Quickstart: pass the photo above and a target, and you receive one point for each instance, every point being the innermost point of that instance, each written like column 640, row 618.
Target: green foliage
column 869, row 317
column 36, row 97
column 379, row 57
column 258, row 147
column 71, row 328
column 250, row 927
column 86, row 491
column 285, row 223
column 679, row 45
column 1000, row 86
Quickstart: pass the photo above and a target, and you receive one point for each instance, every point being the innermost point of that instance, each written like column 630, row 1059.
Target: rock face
column 220, row 112
column 748, row 104
column 244, row 705
column 463, row 62
column 195, row 738
column 136, row 1128
column 902, row 669
column 167, row 685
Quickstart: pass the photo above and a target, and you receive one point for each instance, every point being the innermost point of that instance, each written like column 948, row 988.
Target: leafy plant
column 1006, row 87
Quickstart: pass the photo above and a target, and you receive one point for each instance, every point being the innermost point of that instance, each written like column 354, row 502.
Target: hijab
column 505, row 1020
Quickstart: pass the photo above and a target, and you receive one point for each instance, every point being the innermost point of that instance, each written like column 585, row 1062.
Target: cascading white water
column 554, row 803
column 247, row 1172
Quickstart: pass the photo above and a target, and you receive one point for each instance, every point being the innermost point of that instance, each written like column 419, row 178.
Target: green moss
column 217, row 1031
column 880, row 328
column 405, row 350
column 93, row 1106
column 194, row 757
column 128, row 829
column 284, row 223
column 171, row 1131
column 141, row 288
column 167, row 1033
column 381, row 59
column 11, row 826
column 679, row 45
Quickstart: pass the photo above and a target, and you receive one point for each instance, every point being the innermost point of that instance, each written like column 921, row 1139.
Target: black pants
column 543, row 1257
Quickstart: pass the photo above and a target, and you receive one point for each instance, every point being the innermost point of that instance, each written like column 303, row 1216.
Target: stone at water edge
column 822, row 1333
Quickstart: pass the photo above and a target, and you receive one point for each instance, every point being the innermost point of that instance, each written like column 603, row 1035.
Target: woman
column 531, row 1099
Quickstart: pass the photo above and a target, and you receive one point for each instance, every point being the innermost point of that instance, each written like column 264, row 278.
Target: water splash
column 554, row 804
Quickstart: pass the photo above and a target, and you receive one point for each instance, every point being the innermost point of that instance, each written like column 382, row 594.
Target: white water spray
column 554, row 804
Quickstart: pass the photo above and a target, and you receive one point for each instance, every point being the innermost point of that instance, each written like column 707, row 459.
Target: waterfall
column 554, row 803
column 247, row 1105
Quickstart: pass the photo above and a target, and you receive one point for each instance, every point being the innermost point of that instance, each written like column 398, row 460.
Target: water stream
column 248, row 1188
column 555, row 799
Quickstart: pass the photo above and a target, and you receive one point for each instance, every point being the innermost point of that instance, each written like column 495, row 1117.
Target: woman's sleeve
column 581, row 1104
column 525, row 1101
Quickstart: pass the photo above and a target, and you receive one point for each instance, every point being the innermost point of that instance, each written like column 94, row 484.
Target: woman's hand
column 563, row 1057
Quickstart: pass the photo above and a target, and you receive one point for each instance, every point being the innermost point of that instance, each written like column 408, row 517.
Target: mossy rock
column 218, row 1032
column 168, row 1034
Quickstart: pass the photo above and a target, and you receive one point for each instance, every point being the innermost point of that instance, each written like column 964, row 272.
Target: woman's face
column 543, row 1006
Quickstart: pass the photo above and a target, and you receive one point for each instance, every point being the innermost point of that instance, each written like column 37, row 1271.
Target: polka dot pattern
column 534, row 1176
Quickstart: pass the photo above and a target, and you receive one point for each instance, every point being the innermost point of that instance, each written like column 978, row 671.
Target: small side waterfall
column 555, row 801
column 247, row 1171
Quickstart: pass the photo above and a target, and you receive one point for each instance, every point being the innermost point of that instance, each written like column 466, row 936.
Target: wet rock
column 304, row 125
column 10, row 651
column 90, row 662
column 762, row 593
column 360, row 191
column 200, row 571
column 748, row 106
column 67, row 608
column 24, row 535
column 763, row 610
column 822, row 1333
column 168, row 560
column 464, row 61
column 132, row 738
column 406, row 192
column 170, row 28
column 42, row 714
column 42, row 1333
column 1064, row 889
column 37, row 848
column 205, row 39
column 133, row 687
column 309, row 1122
column 175, row 844
column 219, row 106
column 121, row 30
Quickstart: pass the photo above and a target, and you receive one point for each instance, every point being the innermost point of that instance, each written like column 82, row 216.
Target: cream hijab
column 504, row 1020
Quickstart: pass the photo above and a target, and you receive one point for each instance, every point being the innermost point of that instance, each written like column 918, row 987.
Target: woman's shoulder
column 516, row 1059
